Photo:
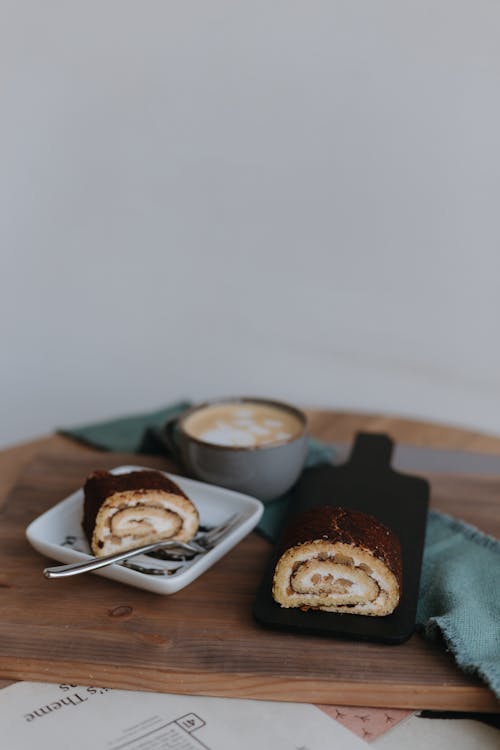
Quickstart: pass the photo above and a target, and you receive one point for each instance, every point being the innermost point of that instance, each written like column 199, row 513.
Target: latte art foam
column 244, row 425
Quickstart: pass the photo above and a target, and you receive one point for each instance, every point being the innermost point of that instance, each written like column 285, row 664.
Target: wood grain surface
column 203, row 640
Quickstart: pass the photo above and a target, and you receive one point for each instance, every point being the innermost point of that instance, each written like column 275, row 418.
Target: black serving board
column 366, row 482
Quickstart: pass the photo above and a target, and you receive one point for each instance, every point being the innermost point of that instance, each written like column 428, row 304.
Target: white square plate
column 58, row 534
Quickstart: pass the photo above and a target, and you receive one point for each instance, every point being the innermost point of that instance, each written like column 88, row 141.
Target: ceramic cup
column 265, row 470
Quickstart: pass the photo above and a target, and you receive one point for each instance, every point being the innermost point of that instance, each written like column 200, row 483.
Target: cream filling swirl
column 335, row 577
column 129, row 519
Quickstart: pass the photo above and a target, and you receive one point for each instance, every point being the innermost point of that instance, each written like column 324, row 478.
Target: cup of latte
column 252, row 445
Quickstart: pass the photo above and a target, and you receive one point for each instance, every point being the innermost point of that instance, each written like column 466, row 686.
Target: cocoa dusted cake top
column 101, row 484
column 337, row 524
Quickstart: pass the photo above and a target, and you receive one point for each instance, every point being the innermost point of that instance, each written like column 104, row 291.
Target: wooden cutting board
column 203, row 640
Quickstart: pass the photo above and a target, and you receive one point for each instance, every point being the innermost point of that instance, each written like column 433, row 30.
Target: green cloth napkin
column 137, row 434
column 459, row 594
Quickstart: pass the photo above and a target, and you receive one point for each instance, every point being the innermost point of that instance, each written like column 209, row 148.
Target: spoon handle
column 73, row 569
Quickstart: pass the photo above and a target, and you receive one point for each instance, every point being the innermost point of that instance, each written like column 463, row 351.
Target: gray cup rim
column 244, row 400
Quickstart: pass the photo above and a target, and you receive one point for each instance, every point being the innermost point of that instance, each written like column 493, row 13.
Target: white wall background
column 299, row 199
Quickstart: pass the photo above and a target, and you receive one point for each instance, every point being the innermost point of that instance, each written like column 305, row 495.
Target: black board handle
column 371, row 451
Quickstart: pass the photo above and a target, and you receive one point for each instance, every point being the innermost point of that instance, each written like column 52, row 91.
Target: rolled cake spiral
column 339, row 560
column 122, row 511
